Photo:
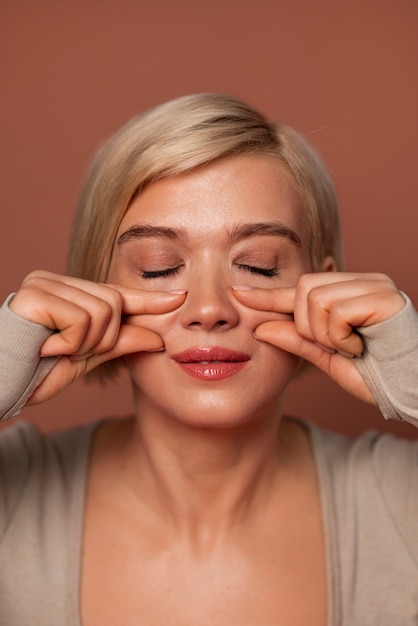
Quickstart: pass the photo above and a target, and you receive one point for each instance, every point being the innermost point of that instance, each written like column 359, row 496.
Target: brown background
column 342, row 72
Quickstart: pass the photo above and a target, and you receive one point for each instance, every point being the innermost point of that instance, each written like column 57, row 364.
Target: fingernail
column 346, row 354
column 324, row 348
column 241, row 287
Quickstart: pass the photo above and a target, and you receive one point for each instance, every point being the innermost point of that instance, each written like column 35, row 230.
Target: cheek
column 162, row 324
column 276, row 368
column 251, row 318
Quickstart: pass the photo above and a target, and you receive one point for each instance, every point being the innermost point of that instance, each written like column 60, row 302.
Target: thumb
column 68, row 369
column 341, row 369
column 283, row 335
column 131, row 339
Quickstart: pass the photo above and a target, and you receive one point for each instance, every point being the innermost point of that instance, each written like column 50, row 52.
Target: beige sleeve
column 389, row 364
column 22, row 368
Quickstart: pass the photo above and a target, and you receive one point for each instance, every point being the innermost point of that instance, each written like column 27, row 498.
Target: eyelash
column 160, row 273
column 270, row 273
column 171, row 271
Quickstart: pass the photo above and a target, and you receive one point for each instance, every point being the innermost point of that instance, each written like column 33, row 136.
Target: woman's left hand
column 329, row 310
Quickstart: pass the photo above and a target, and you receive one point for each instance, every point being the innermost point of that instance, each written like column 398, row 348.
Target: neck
column 203, row 480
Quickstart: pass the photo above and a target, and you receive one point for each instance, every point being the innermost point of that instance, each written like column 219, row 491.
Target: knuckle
column 114, row 298
column 338, row 313
column 117, row 299
column 382, row 277
column 383, row 281
column 28, row 300
column 303, row 327
column 106, row 344
column 81, row 317
column 305, row 281
column 36, row 276
column 315, row 298
column 104, row 310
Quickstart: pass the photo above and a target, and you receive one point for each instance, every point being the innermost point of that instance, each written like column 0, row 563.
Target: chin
column 208, row 410
column 248, row 397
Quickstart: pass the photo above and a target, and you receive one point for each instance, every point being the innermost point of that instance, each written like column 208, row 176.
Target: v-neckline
column 327, row 508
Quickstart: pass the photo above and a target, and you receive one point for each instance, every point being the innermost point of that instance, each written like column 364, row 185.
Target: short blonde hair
column 177, row 137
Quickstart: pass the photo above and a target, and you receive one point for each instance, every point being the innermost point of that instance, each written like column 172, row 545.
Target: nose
column 209, row 305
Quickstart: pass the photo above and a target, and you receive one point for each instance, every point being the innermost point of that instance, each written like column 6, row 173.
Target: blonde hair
column 179, row 136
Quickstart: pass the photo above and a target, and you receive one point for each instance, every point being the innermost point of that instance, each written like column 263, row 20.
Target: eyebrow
column 140, row 231
column 277, row 229
column 241, row 231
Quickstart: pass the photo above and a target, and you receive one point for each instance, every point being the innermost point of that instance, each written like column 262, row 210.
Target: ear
column 328, row 264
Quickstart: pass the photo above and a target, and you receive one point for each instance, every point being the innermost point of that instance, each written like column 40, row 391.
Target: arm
column 55, row 329
column 357, row 328
column 21, row 367
column 389, row 364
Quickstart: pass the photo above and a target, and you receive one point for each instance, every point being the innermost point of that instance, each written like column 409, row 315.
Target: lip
column 212, row 363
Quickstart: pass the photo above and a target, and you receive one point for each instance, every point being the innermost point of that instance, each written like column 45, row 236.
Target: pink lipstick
column 211, row 364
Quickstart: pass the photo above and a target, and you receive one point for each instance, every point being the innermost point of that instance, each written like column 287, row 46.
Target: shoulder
column 25, row 445
column 374, row 461
column 370, row 507
column 36, row 468
column 370, row 485
column 390, row 461
column 42, row 493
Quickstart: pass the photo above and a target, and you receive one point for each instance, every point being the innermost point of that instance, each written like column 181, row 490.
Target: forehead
column 220, row 195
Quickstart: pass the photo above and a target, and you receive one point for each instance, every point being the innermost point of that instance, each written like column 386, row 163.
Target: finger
column 142, row 302
column 331, row 321
column 137, row 301
column 68, row 369
column 105, row 322
column 149, row 303
column 275, row 300
column 314, row 295
column 82, row 325
column 81, row 315
column 71, row 322
column 131, row 339
column 330, row 313
column 87, row 315
column 283, row 335
column 359, row 312
column 317, row 293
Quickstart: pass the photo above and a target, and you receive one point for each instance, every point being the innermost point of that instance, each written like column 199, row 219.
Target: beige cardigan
column 369, row 491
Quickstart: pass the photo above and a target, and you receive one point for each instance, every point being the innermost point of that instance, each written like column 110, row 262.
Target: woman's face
column 237, row 221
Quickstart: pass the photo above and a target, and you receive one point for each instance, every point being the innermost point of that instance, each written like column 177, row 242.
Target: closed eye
column 170, row 271
column 263, row 271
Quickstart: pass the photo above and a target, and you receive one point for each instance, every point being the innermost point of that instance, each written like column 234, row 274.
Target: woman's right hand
column 92, row 323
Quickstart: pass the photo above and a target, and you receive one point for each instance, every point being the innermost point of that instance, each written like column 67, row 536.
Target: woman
column 203, row 259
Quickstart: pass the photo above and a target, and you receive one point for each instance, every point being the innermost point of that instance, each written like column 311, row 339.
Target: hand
column 329, row 309
column 93, row 323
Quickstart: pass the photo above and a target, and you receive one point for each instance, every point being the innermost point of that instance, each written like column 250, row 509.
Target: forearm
column 21, row 367
column 389, row 364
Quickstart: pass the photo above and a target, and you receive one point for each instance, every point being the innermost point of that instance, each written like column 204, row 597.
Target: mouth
column 211, row 364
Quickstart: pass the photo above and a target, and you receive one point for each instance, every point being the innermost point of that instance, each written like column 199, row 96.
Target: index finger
column 280, row 300
column 143, row 302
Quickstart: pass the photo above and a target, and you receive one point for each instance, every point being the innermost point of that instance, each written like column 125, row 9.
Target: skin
column 204, row 507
